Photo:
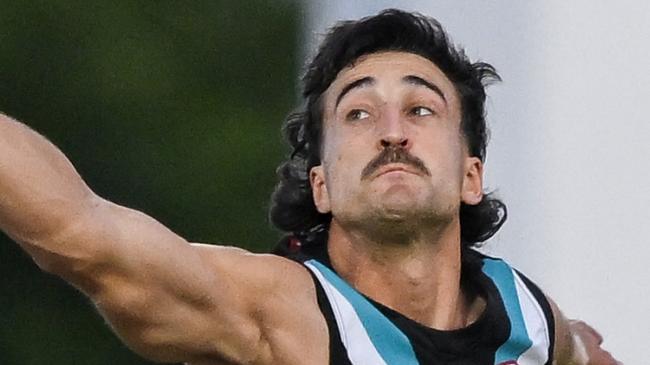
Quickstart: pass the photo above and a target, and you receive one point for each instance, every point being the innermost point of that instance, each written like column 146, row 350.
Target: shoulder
column 518, row 290
column 507, row 277
column 567, row 341
column 530, row 312
column 280, row 295
column 266, row 274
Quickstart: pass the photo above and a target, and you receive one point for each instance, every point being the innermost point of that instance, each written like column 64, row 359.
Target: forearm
column 42, row 197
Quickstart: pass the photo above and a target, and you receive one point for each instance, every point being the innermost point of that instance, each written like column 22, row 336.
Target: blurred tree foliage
column 170, row 107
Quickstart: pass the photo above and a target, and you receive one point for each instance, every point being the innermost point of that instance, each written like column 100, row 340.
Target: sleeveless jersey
column 516, row 327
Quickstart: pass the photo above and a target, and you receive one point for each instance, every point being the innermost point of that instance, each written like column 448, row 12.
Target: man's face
column 393, row 149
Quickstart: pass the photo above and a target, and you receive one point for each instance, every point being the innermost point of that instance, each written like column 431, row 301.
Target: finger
column 595, row 333
column 602, row 357
column 585, row 328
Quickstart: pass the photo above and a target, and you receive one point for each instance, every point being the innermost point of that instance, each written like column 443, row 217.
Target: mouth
column 395, row 168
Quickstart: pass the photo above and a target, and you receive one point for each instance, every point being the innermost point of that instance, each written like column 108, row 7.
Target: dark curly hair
column 292, row 207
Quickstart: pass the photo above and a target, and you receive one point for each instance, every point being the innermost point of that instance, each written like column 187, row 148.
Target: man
column 382, row 199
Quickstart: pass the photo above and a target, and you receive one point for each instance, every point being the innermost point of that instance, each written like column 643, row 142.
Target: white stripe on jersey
column 360, row 348
column 536, row 325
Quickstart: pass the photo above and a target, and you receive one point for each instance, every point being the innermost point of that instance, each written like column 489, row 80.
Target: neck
column 419, row 276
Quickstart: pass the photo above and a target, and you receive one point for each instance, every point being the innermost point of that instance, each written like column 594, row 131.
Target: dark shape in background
column 169, row 107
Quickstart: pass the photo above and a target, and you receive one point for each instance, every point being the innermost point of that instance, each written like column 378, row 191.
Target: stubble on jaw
column 392, row 225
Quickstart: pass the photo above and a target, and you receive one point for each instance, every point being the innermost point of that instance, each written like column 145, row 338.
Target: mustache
column 393, row 154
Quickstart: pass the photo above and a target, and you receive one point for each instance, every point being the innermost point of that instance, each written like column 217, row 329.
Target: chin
column 397, row 213
column 411, row 210
column 400, row 202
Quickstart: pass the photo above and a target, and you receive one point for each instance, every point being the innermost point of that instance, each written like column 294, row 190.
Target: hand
column 587, row 349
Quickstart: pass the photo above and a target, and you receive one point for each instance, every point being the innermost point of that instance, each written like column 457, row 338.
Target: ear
column 319, row 189
column 472, row 193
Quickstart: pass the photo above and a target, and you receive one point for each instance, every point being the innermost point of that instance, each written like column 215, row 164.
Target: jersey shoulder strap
column 532, row 329
column 369, row 337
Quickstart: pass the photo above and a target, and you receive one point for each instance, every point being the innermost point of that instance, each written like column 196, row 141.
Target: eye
column 357, row 114
column 420, row 111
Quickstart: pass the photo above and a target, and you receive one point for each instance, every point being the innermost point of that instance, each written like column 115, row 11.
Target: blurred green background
column 170, row 107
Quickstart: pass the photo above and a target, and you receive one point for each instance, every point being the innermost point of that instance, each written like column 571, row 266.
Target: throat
column 421, row 281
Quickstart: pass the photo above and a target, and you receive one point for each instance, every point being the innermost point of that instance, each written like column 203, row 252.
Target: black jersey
column 516, row 327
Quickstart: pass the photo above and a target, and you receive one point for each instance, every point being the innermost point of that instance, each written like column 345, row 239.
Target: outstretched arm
column 167, row 299
column 577, row 343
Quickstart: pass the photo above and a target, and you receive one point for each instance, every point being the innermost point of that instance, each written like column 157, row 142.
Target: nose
column 392, row 130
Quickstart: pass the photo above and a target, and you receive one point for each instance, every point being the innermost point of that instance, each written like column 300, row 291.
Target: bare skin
column 395, row 235
column 421, row 207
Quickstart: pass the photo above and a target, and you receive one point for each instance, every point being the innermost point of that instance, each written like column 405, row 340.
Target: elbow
column 72, row 250
column 80, row 272
column 61, row 264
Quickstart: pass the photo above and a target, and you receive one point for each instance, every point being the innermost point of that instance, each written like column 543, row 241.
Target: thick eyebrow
column 362, row 82
column 416, row 80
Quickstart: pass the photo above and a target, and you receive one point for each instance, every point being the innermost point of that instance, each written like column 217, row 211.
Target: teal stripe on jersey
column 393, row 345
column 519, row 341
